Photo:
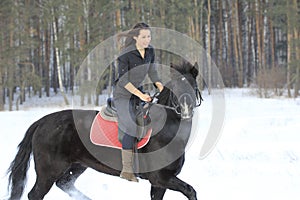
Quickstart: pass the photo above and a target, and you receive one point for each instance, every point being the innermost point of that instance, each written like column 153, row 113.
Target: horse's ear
column 194, row 71
column 196, row 65
column 172, row 70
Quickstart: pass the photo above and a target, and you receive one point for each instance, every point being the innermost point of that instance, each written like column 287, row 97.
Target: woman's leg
column 128, row 126
column 128, row 142
column 127, row 158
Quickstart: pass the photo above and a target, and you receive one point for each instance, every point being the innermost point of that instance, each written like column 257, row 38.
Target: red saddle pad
column 104, row 132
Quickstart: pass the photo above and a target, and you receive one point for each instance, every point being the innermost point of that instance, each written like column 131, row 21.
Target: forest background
column 254, row 43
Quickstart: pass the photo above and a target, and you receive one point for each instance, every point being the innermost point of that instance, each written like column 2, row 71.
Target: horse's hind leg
column 40, row 188
column 47, row 174
column 157, row 193
column 67, row 180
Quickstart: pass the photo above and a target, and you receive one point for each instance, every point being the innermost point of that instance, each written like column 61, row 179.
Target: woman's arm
column 123, row 63
column 133, row 90
column 153, row 72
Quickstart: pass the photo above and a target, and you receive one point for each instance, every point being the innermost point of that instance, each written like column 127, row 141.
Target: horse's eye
column 183, row 78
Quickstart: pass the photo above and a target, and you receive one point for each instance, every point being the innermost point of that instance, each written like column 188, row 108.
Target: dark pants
column 127, row 121
column 128, row 142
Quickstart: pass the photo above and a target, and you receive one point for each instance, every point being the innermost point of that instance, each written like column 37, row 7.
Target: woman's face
column 143, row 39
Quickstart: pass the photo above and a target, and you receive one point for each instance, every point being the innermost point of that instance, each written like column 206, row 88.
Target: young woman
column 134, row 64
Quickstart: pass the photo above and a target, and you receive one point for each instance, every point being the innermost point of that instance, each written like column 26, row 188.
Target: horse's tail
column 19, row 166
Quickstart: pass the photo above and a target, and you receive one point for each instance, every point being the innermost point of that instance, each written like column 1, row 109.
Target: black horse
column 62, row 149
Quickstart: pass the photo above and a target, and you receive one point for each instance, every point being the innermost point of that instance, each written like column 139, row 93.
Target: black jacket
column 133, row 68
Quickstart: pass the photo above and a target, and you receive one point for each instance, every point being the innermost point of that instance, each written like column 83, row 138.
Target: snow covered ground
column 257, row 156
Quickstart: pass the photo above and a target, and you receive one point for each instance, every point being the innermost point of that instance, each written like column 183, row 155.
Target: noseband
column 174, row 104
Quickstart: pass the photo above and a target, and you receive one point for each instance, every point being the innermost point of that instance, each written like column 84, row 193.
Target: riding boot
column 127, row 161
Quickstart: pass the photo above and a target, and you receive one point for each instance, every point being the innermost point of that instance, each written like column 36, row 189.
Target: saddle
column 104, row 129
column 110, row 110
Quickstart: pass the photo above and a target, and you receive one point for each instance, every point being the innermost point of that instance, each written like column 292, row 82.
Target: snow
column 257, row 156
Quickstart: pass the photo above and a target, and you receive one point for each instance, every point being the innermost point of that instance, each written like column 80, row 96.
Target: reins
column 146, row 106
column 199, row 98
column 175, row 107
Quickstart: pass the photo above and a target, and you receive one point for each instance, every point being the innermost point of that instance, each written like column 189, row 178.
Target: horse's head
column 182, row 89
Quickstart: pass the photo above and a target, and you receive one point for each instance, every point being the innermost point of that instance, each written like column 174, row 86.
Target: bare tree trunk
column 191, row 30
column 200, row 81
column 118, row 15
column 72, row 65
column 2, row 95
column 209, row 46
column 40, row 56
column 162, row 12
column 258, row 34
column 86, row 39
column 219, row 38
column 10, row 68
column 61, row 87
column 201, row 22
column 240, row 46
column 47, row 36
column 272, row 43
column 1, row 90
column 250, row 64
column 218, row 32
column 81, row 46
column 297, row 53
column 297, row 78
column 197, row 25
column 229, row 59
column 235, row 28
column 263, row 34
column 289, row 49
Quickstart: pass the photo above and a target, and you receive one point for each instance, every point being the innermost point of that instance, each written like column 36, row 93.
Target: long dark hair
column 134, row 32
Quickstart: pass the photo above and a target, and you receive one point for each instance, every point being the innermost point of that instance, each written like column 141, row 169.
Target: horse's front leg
column 67, row 180
column 174, row 183
column 157, row 193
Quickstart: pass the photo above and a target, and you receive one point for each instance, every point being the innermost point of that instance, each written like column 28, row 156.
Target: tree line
column 254, row 43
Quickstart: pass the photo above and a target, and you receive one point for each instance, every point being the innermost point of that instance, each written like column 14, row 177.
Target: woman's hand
column 145, row 97
column 137, row 92
column 160, row 86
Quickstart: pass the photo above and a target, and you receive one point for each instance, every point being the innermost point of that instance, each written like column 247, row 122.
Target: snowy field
column 256, row 158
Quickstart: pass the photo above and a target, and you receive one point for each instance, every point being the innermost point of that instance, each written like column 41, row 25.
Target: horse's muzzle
column 186, row 106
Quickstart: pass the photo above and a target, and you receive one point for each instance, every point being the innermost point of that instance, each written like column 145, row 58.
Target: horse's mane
column 184, row 67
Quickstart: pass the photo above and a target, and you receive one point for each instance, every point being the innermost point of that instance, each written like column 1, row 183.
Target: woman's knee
column 128, row 142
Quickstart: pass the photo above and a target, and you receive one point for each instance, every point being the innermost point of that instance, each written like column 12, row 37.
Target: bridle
column 174, row 105
column 199, row 98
